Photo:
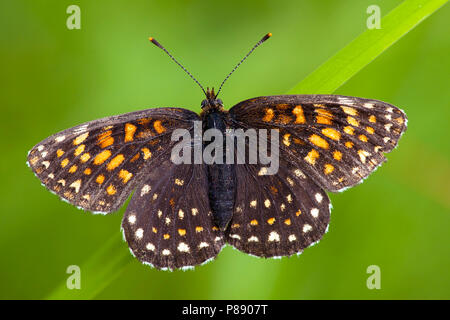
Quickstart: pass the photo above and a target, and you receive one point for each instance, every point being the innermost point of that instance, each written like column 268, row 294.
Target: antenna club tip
column 267, row 36
column 150, row 38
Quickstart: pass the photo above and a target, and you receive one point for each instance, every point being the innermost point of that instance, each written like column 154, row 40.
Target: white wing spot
column 159, row 213
column 253, row 204
column 235, row 236
column 289, row 198
column 76, row 185
column 299, row 173
column 44, row 154
column 51, row 175
column 166, row 252
column 139, row 233
column 183, row 247
column 319, row 197
column 194, row 211
column 306, row 228
column 46, row 164
column 368, row 105
column 292, row 237
column 389, row 109
column 388, row 126
column 388, row 116
column 273, row 236
column 217, row 239
column 168, row 221
column 145, row 189
column 267, row 203
column 290, row 181
column 315, row 212
column 203, row 245
column 132, row 219
column 253, row 239
column 262, row 171
column 40, row 148
column 60, row 138
column 386, row 139
column 62, row 181
column 180, row 214
column 155, row 196
column 179, row 182
column 150, row 246
column 283, row 207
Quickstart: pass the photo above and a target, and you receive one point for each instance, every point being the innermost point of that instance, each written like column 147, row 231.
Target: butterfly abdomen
column 221, row 176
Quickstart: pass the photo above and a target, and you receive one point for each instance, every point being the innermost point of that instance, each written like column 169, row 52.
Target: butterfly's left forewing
column 97, row 165
column 335, row 140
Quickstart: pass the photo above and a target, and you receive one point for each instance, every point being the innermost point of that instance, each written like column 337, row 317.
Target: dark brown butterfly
column 181, row 215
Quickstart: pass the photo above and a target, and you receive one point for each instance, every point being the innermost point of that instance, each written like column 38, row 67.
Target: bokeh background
column 54, row 78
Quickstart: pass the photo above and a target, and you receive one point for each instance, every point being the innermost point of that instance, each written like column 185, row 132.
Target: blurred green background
column 54, row 78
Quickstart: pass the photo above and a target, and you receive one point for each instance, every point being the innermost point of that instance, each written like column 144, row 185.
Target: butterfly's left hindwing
column 96, row 165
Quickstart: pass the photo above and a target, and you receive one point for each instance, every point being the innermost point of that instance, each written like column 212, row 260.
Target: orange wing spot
column 286, row 140
column 115, row 162
column 273, row 190
column 328, row 168
column 144, row 121
column 370, row 130
column 80, row 138
column 111, row 190
column 87, row 171
column 85, row 157
column 271, row 221
column 363, row 138
column 198, row 229
column 254, row 222
column 236, row 225
column 104, row 139
column 154, row 230
column 373, row 119
column 166, row 236
column 298, row 112
column 317, row 105
column 64, row 162
column 349, row 110
column 269, row 115
column 79, row 150
column 312, row 156
column 298, row 141
column 130, row 129
column 319, row 141
column 324, row 116
column 349, row 144
column 172, row 202
column 215, row 228
column 349, row 130
column 399, row 120
column 100, row 179
column 352, row 121
column 73, row 168
column 287, row 222
column 147, row 153
column 145, row 134
column 125, row 175
column 282, row 106
column 299, row 212
column 59, row 153
column 102, row 157
column 135, row 158
column 159, row 127
column 182, row 232
column 337, row 155
column 331, row 133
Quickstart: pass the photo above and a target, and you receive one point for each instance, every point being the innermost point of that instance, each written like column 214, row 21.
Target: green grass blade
column 366, row 47
column 102, row 268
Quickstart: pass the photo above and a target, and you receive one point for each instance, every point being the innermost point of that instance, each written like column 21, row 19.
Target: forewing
column 277, row 215
column 335, row 140
column 96, row 165
column 168, row 223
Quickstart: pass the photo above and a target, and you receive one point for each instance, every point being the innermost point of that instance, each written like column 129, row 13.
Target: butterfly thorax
column 221, row 176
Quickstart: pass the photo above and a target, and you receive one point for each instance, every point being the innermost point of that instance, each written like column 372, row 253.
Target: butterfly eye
column 204, row 103
column 219, row 102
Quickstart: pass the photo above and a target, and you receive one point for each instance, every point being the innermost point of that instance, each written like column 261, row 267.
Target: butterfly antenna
column 156, row 43
column 260, row 42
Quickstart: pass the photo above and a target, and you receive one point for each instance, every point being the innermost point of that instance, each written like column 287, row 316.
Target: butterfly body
column 221, row 176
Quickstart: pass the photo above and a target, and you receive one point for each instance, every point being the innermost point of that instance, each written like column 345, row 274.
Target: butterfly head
column 211, row 101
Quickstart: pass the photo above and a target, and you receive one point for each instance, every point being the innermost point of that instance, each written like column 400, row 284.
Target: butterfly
column 182, row 215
